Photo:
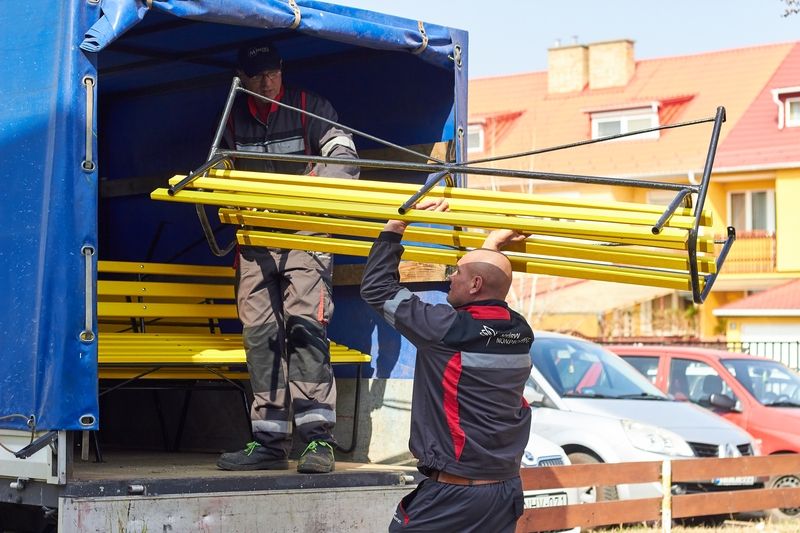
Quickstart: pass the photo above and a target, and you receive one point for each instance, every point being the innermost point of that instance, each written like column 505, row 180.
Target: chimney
column 611, row 64
column 567, row 68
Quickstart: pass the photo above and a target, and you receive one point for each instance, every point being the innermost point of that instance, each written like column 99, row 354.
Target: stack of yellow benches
column 608, row 241
column 163, row 321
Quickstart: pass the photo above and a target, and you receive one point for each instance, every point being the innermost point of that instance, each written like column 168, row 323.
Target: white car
column 600, row 409
column 542, row 452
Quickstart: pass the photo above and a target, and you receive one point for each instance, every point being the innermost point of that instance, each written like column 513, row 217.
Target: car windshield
column 576, row 368
column 770, row 382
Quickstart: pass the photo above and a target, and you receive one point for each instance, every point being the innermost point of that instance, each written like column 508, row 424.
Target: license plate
column 539, row 501
column 741, row 480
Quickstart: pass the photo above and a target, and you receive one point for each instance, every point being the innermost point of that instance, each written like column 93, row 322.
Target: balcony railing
column 753, row 251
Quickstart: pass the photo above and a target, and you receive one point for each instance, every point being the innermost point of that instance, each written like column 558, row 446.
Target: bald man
column 469, row 421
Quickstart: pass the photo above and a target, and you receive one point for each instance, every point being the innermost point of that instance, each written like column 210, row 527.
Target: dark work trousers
column 284, row 302
column 438, row 507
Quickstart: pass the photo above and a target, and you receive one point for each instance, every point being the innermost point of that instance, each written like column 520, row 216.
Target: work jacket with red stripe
column 468, row 415
column 276, row 130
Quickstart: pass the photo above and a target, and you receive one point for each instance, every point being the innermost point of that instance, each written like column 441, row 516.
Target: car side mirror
column 533, row 396
column 722, row 401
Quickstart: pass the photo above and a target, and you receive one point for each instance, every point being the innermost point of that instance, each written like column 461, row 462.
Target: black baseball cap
column 257, row 58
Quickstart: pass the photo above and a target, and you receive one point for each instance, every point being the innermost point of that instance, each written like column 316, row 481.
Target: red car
column 759, row 395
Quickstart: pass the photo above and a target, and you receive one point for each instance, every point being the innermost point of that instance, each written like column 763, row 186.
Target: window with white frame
column 752, row 210
column 475, row 138
column 609, row 123
column 793, row 112
column 788, row 101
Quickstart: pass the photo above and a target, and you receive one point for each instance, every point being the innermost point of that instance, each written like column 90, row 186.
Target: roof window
column 608, row 123
column 788, row 101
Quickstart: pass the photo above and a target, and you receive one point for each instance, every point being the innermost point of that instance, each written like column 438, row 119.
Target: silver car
column 598, row 408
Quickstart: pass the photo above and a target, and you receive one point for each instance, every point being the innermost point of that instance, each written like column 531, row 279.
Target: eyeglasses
column 271, row 74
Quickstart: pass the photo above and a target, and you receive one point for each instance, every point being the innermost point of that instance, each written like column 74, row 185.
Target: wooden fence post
column 666, row 498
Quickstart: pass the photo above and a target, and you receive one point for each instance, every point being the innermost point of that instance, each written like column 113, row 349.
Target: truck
column 102, row 103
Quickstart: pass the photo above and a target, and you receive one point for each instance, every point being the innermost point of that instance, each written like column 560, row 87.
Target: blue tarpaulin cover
column 320, row 19
column 115, row 70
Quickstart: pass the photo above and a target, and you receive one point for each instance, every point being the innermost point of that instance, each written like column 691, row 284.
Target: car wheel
column 780, row 482
column 593, row 494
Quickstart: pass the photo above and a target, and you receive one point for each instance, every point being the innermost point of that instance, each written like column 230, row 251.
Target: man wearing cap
column 284, row 297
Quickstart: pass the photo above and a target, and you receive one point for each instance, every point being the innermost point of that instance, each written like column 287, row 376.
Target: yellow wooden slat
column 445, row 237
column 209, row 358
column 168, row 373
column 172, row 269
column 467, row 239
column 164, row 289
column 614, row 273
column 393, row 200
column 580, row 230
column 149, row 348
column 166, row 310
column 452, row 192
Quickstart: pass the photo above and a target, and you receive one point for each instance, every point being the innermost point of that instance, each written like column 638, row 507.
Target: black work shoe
column 317, row 458
column 253, row 457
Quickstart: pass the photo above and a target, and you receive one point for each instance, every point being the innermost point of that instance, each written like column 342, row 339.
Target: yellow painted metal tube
column 580, row 230
column 603, row 272
column 485, row 205
column 452, row 192
column 466, row 239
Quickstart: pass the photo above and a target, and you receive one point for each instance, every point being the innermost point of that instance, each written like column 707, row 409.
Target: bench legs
column 354, row 437
column 238, row 385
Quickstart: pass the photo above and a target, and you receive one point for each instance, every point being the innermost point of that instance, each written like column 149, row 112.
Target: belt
column 452, row 479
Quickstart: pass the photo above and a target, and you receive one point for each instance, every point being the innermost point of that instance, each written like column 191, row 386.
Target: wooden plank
column 437, row 150
column 548, row 477
column 142, row 289
column 710, row 468
column 166, row 310
column 167, row 269
column 589, row 515
column 739, row 501
column 169, row 373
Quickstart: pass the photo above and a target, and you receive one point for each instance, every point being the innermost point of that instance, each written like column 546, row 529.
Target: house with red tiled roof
column 772, row 315
column 600, row 89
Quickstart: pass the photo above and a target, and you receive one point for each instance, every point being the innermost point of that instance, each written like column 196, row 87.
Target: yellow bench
column 583, row 238
column 162, row 321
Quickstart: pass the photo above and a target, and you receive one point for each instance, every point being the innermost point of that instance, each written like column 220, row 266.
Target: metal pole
column 720, row 260
column 433, row 179
column 701, row 198
column 213, row 159
column 459, row 169
column 673, row 205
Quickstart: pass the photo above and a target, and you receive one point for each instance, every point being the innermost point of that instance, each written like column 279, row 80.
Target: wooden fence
column 662, row 509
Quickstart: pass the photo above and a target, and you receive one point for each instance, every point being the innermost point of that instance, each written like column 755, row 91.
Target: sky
column 512, row 36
